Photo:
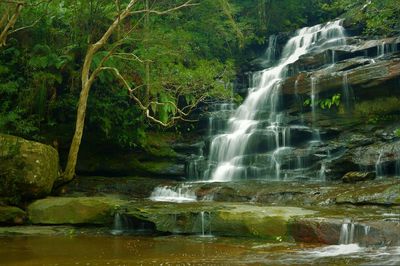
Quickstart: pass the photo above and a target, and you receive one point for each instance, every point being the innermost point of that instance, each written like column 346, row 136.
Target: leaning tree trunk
column 87, row 80
column 69, row 172
column 88, row 77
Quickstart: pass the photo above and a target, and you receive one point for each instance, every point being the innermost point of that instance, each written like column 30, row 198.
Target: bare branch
column 27, row 27
column 146, row 110
column 163, row 12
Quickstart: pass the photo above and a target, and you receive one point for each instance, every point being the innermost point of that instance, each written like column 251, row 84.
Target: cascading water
column 257, row 133
column 347, row 233
column 179, row 193
column 348, row 94
column 351, row 233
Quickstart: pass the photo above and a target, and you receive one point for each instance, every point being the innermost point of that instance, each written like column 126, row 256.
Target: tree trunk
column 10, row 24
column 69, row 172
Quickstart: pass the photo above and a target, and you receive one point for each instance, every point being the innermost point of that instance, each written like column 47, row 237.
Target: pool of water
column 182, row 250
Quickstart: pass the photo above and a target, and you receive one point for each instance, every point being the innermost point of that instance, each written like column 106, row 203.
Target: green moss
column 381, row 109
column 159, row 144
column 80, row 210
column 11, row 215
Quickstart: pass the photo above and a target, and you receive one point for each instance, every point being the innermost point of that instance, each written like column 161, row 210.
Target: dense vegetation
column 172, row 60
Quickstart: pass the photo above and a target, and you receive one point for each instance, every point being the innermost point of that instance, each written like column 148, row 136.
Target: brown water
column 180, row 250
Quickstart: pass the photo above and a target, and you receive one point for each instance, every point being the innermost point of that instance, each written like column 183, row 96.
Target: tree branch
column 163, row 12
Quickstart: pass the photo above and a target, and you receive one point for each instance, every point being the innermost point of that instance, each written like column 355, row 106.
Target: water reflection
column 183, row 250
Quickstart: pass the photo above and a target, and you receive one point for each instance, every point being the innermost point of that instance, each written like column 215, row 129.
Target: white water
column 348, row 94
column 336, row 250
column 347, row 233
column 205, row 224
column 227, row 150
column 181, row 193
column 118, row 227
column 378, row 166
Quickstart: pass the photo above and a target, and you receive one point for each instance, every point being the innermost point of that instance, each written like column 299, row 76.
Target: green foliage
column 397, row 132
column 192, row 53
column 326, row 103
column 380, row 17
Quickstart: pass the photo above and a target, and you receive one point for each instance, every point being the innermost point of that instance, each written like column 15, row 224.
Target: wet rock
column 80, row 210
column 33, row 230
column 378, row 154
column 11, row 215
column 316, row 230
column 27, row 169
column 131, row 187
column 219, row 218
column 366, row 76
column 352, row 177
column 330, row 230
column 388, row 194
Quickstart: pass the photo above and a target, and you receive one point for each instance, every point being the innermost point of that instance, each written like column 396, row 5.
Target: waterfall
column 258, row 125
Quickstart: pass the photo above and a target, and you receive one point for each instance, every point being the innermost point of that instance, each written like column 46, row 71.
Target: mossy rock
column 28, row 169
column 80, row 210
column 230, row 219
column 11, row 215
column 378, row 195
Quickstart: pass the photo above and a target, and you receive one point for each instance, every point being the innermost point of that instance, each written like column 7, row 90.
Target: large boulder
column 80, row 210
column 11, row 215
column 28, row 169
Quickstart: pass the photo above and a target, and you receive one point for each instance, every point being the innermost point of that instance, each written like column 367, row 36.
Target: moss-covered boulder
column 80, row 210
column 11, row 215
column 28, row 169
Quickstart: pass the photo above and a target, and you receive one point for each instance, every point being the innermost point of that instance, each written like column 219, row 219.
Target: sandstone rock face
column 80, row 210
column 11, row 215
column 27, row 169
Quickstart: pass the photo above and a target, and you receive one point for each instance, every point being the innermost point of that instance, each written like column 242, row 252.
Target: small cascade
column 381, row 49
column 386, row 48
column 397, row 168
column 351, row 233
column 314, row 105
column 333, row 57
column 180, row 193
column 321, row 174
column 271, row 52
column 348, row 94
column 196, row 165
column 378, row 166
column 118, row 224
column 347, row 233
column 260, row 130
column 205, row 219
